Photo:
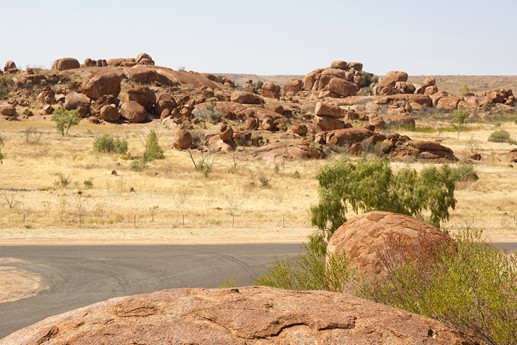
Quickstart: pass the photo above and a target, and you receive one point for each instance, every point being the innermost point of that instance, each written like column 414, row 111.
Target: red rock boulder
column 134, row 112
column 66, row 64
column 101, row 84
column 375, row 239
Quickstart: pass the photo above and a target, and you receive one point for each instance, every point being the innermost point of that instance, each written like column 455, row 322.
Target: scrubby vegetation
column 501, row 136
column 153, row 150
column 470, row 286
column 65, row 119
column 108, row 144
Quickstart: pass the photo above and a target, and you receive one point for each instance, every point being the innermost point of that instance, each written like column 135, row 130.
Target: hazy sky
column 269, row 36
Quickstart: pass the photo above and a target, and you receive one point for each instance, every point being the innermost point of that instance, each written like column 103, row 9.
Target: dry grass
column 172, row 202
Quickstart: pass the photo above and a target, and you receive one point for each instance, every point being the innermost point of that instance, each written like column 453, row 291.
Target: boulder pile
column 341, row 79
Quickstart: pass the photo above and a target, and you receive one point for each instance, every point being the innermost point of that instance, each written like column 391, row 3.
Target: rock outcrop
column 247, row 315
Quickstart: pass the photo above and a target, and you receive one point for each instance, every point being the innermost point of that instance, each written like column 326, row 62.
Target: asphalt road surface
column 81, row 275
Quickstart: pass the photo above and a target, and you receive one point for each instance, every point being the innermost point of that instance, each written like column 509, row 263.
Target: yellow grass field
column 60, row 190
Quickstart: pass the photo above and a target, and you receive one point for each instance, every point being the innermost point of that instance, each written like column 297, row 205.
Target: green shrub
column 472, row 287
column 370, row 184
column 264, row 182
column 308, row 271
column 108, row 144
column 153, row 150
column 465, row 172
column 459, row 121
column 65, row 119
column 501, row 136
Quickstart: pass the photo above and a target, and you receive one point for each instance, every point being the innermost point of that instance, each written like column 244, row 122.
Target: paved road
column 82, row 275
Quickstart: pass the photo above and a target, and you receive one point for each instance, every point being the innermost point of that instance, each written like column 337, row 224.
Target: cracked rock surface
column 246, row 315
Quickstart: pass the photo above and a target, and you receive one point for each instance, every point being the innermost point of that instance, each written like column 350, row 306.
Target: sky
column 269, row 37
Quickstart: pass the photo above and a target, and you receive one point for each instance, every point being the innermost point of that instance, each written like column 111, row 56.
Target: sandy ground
column 16, row 283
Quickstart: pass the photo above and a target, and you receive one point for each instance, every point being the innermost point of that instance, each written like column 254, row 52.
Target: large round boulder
column 245, row 315
column 377, row 239
column 109, row 113
column 182, row 140
column 134, row 112
column 65, row 64
column 244, row 97
column 7, row 109
column 77, row 101
column 143, row 96
column 102, row 83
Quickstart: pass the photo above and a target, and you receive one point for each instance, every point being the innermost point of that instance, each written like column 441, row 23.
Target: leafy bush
column 472, row 287
column 501, row 136
column 65, row 119
column 459, row 121
column 308, row 271
column 465, row 172
column 370, row 184
column 107, row 143
column 153, row 150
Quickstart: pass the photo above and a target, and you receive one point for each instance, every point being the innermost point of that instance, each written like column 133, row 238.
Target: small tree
column 370, row 184
column 65, row 119
column 153, row 150
column 459, row 121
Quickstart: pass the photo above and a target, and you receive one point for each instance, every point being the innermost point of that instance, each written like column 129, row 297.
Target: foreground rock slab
column 248, row 315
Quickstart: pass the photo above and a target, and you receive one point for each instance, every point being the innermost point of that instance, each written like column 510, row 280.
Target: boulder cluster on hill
column 329, row 107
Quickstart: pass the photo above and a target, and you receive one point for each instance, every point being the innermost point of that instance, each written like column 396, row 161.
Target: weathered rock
column 250, row 124
column 289, row 150
column 426, row 150
column 215, row 143
column 244, row 97
column 164, row 101
column 270, row 90
column 376, row 239
column 144, row 59
column 378, row 123
column 448, row 103
column 339, row 65
column 10, row 67
column 293, row 87
column 141, row 74
column 342, row 87
column 419, row 99
column 327, row 109
column 75, row 100
column 109, row 113
column 387, row 85
column 329, row 123
column 397, row 76
column 143, row 96
column 134, row 112
column 102, row 83
column 7, row 109
column 358, row 66
column 348, row 136
column 299, row 129
column 182, row 140
column 121, row 62
column 245, row 315
column 66, row 64
column 226, row 133
column 429, row 81
column 400, row 120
